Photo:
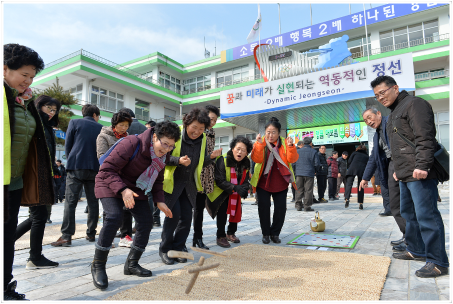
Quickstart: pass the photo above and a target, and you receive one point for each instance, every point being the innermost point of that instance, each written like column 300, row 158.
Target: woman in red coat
column 133, row 169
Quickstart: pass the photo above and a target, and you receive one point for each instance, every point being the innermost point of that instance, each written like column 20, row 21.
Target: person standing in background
column 342, row 168
column 321, row 174
column 306, row 167
column 332, row 175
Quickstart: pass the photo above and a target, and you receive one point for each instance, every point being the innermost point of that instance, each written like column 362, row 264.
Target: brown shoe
column 61, row 242
column 90, row 238
column 232, row 238
column 222, row 242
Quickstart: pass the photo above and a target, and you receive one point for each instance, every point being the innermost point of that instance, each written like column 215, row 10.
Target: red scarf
column 118, row 135
column 234, row 201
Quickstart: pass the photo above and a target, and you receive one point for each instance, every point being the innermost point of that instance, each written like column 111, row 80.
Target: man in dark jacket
column 300, row 144
column 381, row 161
column 412, row 120
column 62, row 180
column 82, row 167
column 332, row 175
column 136, row 126
column 321, row 174
column 342, row 168
column 305, row 174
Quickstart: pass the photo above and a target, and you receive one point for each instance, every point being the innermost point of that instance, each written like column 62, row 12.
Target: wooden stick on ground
column 180, row 254
column 209, row 252
column 195, row 276
column 203, row 268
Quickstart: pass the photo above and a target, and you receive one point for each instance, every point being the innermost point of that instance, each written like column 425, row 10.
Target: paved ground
column 72, row 279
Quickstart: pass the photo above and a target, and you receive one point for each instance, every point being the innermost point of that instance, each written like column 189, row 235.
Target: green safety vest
column 256, row 173
column 217, row 191
column 170, row 170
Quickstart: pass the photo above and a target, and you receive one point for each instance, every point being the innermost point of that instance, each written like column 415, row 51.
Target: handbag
column 441, row 159
column 316, row 224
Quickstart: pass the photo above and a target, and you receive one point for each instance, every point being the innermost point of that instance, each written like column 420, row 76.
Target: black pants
column 222, row 219
column 293, row 190
column 305, row 190
column 176, row 230
column 76, row 179
column 349, row 182
column 9, row 235
column 264, row 211
column 126, row 224
column 332, row 187
column 200, row 204
column 36, row 224
column 341, row 179
column 113, row 208
column 394, row 199
column 322, row 185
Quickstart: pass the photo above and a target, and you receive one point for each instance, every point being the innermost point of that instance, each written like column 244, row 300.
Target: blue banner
column 373, row 15
column 60, row 134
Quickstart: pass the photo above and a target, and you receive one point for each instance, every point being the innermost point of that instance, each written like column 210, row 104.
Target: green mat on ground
column 325, row 240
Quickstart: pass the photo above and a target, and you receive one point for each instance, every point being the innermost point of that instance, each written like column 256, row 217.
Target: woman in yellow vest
column 231, row 183
column 182, row 181
column 273, row 155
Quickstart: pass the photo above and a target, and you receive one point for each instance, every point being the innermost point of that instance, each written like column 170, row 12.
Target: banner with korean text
column 343, row 133
column 327, row 86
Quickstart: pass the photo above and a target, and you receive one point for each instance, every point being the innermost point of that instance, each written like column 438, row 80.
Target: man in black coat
column 136, row 126
column 412, row 121
column 321, row 174
column 81, row 170
column 342, row 168
column 381, row 161
column 62, row 180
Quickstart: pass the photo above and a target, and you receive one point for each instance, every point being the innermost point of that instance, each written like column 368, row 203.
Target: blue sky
column 122, row 32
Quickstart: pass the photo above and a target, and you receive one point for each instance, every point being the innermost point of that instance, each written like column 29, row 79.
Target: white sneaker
column 125, row 242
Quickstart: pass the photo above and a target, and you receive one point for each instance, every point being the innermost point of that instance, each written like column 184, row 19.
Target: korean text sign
column 321, row 87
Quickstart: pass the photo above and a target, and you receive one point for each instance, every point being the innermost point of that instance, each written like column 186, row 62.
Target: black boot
column 199, row 243
column 131, row 266
column 10, row 293
column 100, row 279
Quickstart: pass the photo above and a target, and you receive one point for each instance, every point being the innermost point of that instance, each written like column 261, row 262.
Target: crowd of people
column 138, row 171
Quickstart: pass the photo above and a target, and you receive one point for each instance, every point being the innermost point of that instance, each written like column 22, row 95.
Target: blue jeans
column 425, row 234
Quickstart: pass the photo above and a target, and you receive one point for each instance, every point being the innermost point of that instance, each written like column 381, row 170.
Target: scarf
column 234, row 200
column 26, row 95
column 274, row 154
column 118, row 135
column 207, row 174
column 148, row 177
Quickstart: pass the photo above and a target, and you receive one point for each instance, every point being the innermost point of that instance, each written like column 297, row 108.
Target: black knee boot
column 131, row 266
column 100, row 279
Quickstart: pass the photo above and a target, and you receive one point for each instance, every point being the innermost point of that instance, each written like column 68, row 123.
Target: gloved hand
column 241, row 191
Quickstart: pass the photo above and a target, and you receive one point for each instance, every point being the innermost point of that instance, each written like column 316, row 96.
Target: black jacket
column 323, row 167
column 62, row 171
column 80, row 144
column 50, row 137
column 413, row 117
column 342, row 165
column 136, row 127
column 357, row 163
column 222, row 183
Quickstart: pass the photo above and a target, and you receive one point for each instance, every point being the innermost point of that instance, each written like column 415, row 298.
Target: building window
column 142, row 110
column 257, row 72
column 251, row 137
column 358, row 46
column 232, row 76
column 431, row 74
column 412, row 35
column 197, row 84
column 443, row 128
column 222, row 142
column 76, row 91
column 169, row 114
column 106, row 100
column 169, row 82
column 148, row 76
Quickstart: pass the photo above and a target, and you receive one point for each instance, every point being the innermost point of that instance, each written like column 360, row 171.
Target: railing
column 432, row 75
column 221, row 85
column 402, row 45
column 175, row 118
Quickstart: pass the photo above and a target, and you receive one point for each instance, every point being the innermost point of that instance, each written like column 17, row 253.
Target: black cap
column 345, row 153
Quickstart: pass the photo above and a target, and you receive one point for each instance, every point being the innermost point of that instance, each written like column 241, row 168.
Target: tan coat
column 106, row 139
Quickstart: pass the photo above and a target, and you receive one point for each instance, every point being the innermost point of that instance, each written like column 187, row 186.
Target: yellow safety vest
column 256, row 173
column 6, row 142
column 170, row 170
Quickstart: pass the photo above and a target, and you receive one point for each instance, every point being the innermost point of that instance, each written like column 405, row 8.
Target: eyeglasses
column 240, row 150
column 51, row 110
column 381, row 93
column 166, row 146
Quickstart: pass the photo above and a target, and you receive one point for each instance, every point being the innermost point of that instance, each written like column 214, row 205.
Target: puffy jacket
column 414, row 119
column 342, row 165
column 105, row 140
column 333, row 167
column 308, row 161
column 118, row 173
column 323, row 167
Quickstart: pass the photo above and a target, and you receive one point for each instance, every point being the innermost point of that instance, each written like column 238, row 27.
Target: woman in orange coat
column 273, row 173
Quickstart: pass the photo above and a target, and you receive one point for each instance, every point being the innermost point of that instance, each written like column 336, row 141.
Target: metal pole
column 279, row 22
column 366, row 33
column 349, row 8
column 311, row 16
